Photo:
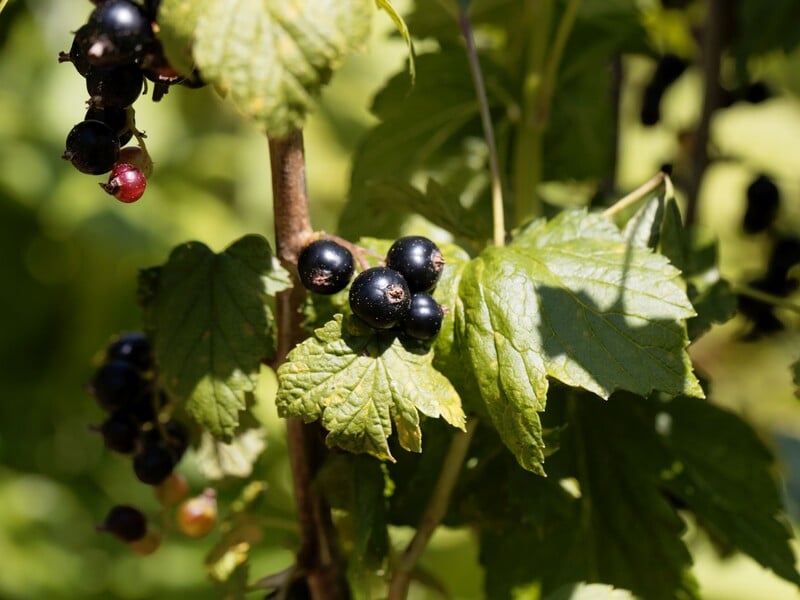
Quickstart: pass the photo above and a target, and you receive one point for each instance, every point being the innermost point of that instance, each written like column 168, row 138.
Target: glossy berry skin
column 153, row 463
column 126, row 183
column 424, row 318
column 125, row 522
column 763, row 202
column 116, row 384
column 417, row 259
column 116, row 118
column 380, row 297
column 119, row 31
column 114, row 86
column 77, row 54
column 92, row 147
column 197, row 516
column 133, row 348
column 134, row 155
column 120, row 432
column 325, row 267
column 174, row 434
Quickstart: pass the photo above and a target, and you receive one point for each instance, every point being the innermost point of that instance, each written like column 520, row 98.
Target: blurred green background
column 70, row 256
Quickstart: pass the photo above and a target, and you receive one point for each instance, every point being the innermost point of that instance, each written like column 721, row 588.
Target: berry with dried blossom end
column 126, row 183
column 197, row 516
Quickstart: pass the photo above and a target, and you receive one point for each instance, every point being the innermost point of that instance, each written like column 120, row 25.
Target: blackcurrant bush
column 125, row 522
column 126, row 183
column 120, row 432
column 418, row 260
column 153, row 463
column 116, row 384
column 133, row 347
column 77, row 54
column 92, row 147
column 114, row 86
column 763, row 202
column 325, row 267
column 424, row 318
column 119, row 32
column 380, row 297
column 116, row 118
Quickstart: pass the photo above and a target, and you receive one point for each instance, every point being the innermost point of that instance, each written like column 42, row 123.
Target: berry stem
column 643, row 190
column 319, row 556
column 777, row 301
column 434, row 511
column 359, row 253
column 498, row 208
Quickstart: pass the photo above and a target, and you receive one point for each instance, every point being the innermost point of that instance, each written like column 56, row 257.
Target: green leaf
column 359, row 383
column 177, row 23
column 212, row 324
column 401, row 26
column 589, row 591
column 643, row 228
column 571, row 300
column 217, row 460
column 271, row 56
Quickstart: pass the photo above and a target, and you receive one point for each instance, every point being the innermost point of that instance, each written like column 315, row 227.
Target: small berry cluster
column 114, row 52
column 125, row 387
column 395, row 296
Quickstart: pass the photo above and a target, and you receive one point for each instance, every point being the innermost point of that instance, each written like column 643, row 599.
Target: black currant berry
column 125, row 522
column 174, row 434
column 651, row 105
column 325, row 267
column 132, row 347
column 92, row 147
column 116, row 384
column 114, row 86
column 670, row 67
column 146, row 406
column 763, row 201
column 116, row 118
column 77, row 55
column 424, row 318
column 418, row 260
column 153, row 463
column 380, row 297
column 120, row 432
column 119, row 31
column 151, row 8
column 757, row 92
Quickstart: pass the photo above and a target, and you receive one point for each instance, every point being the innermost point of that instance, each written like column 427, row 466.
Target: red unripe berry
column 197, row 516
column 126, row 183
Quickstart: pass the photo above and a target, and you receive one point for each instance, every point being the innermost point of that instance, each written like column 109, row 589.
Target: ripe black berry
column 380, row 297
column 146, row 406
column 153, row 463
column 418, row 260
column 126, row 522
column 116, row 384
column 424, row 318
column 116, row 118
column 325, row 267
column 119, row 32
column 174, row 434
column 670, row 67
column 651, row 105
column 77, row 54
column 126, row 183
column 120, row 432
column 131, row 347
column 92, row 147
column 763, row 201
column 114, row 86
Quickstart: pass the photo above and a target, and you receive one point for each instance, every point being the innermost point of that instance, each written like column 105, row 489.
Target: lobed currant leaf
column 358, row 383
column 212, row 325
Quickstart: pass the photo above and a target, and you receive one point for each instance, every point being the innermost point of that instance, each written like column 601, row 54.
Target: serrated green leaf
column 213, row 325
column 590, row 591
column 571, row 300
column 273, row 56
column 216, row 459
column 359, row 383
column 177, row 23
column 643, row 228
column 402, row 28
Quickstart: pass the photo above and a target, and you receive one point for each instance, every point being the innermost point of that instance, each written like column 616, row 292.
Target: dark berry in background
column 153, row 463
column 418, row 260
column 763, row 202
column 116, row 384
column 325, row 267
column 133, row 347
column 120, row 432
column 92, row 147
column 424, row 318
column 125, row 522
column 380, row 297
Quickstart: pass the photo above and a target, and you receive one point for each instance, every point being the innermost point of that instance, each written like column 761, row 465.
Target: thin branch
column 554, row 57
column 498, row 216
column 319, row 557
column 777, row 301
column 434, row 511
column 636, row 195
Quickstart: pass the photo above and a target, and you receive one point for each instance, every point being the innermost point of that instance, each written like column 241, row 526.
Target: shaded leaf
column 212, row 324
column 359, row 383
column 177, row 23
column 216, row 459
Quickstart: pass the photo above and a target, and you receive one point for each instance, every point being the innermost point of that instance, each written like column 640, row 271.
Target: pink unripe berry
column 126, row 183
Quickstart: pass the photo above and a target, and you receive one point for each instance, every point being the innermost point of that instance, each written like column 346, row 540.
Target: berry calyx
column 325, row 267
column 133, row 348
column 380, row 297
column 92, row 147
column 125, row 522
column 197, row 516
column 424, row 318
column 153, row 463
column 417, row 259
column 116, row 384
column 126, row 183
column 119, row 32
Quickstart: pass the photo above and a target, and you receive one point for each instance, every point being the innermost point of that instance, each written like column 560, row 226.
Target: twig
column 434, row 512
column 319, row 557
column 778, row 301
column 498, row 216
column 636, row 195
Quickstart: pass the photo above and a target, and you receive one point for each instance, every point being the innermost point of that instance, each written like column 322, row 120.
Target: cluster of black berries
column 396, row 296
column 124, row 386
column 115, row 51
